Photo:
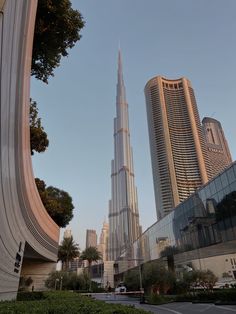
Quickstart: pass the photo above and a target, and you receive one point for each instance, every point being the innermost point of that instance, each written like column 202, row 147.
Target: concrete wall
column 38, row 271
column 24, row 222
column 218, row 265
column 108, row 275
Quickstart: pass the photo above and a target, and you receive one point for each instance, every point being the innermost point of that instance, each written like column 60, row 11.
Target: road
column 170, row 308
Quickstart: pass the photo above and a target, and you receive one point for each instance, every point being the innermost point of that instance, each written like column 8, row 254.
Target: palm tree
column 67, row 251
column 91, row 254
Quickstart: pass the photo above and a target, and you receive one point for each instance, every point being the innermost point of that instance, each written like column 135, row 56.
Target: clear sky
column 190, row 38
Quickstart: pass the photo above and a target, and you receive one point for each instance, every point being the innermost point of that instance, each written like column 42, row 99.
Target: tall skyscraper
column 103, row 241
column 217, row 146
column 178, row 148
column 91, row 238
column 123, row 207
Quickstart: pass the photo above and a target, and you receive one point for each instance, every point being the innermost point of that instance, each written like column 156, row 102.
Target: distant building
column 91, row 238
column 179, row 156
column 103, row 241
column 67, row 233
column 75, row 264
column 217, row 146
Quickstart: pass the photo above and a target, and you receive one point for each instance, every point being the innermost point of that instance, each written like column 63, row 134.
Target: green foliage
column 61, row 302
column 70, row 281
column 58, row 203
column 30, row 296
column 154, row 298
column 24, row 283
column 67, row 251
column 57, row 29
column 208, row 296
column 181, row 286
column 200, row 278
column 91, row 254
column 85, row 281
column 157, row 278
column 59, row 206
column 226, row 275
column 38, row 137
column 132, row 280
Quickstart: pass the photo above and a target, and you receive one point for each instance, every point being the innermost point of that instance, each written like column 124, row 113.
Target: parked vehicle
column 225, row 283
column 121, row 288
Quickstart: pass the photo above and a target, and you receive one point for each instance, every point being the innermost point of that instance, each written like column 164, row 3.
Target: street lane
column 170, row 308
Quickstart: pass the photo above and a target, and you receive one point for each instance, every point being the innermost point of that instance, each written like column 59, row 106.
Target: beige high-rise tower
column 178, row 148
column 217, row 146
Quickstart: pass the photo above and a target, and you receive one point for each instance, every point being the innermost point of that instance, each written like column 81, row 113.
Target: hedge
column 216, row 295
column 65, row 302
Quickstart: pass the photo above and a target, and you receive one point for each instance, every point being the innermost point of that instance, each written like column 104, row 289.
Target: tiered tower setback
column 123, row 207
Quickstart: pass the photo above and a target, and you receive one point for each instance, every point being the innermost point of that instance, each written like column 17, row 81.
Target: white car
column 120, row 288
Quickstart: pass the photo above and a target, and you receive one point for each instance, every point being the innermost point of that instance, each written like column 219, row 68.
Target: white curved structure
column 28, row 236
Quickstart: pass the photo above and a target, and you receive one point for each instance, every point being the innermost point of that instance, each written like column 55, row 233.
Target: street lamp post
column 56, row 281
column 61, row 283
column 140, row 277
column 141, row 282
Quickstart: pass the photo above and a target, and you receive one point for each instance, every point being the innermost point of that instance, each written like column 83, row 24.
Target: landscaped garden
column 62, row 302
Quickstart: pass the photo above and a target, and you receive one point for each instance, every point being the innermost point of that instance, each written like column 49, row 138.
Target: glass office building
column 200, row 231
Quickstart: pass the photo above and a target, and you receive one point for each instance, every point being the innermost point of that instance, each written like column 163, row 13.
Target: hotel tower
column 123, row 206
column 178, row 148
column 217, row 146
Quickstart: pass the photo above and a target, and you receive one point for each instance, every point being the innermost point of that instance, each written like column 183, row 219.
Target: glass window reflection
column 206, row 219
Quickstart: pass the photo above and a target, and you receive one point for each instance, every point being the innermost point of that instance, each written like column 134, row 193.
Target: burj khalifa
column 124, row 226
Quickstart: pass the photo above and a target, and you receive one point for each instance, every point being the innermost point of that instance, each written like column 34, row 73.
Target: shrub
column 30, row 296
column 154, row 298
column 216, row 295
column 61, row 302
column 70, row 281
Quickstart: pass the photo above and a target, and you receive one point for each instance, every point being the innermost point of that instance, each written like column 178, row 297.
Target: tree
column 58, row 203
column 132, row 280
column 157, row 278
column 24, row 283
column 91, row 254
column 200, row 278
column 57, row 28
column 38, row 137
column 67, row 251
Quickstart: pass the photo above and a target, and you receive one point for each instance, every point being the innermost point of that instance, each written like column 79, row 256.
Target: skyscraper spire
column 123, row 206
column 121, row 97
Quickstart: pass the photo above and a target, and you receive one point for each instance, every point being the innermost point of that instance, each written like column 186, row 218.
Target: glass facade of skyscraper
column 201, row 227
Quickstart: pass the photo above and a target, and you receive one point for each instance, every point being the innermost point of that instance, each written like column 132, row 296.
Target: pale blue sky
column 190, row 38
